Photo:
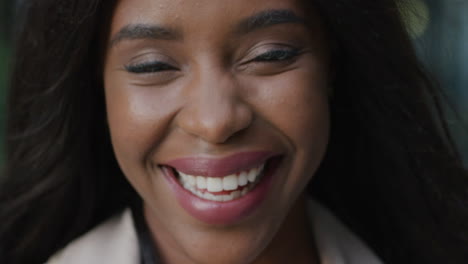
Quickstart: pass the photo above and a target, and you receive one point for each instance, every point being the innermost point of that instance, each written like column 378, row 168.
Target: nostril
column 215, row 122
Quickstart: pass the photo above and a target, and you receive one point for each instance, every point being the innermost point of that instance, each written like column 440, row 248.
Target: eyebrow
column 145, row 31
column 258, row 21
column 268, row 18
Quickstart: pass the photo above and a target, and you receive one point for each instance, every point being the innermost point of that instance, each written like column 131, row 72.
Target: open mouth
column 221, row 189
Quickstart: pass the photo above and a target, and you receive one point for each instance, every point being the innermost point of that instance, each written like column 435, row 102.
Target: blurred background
column 440, row 34
column 439, row 29
column 5, row 18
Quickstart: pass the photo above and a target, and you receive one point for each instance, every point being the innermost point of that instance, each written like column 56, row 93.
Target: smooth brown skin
column 215, row 102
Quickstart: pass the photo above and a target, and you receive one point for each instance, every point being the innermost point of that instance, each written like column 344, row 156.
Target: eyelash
column 272, row 56
column 278, row 55
column 149, row 67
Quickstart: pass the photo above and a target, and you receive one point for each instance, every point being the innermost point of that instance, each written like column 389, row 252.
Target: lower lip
column 222, row 213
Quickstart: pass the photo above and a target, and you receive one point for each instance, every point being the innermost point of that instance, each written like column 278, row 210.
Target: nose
column 214, row 110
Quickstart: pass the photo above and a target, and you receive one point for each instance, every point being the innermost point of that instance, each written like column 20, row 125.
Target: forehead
column 191, row 15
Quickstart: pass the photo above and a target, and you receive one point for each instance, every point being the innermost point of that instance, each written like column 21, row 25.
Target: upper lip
column 220, row 167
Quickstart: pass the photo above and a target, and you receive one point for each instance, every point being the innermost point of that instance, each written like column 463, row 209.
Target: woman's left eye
column 276, row 55
column 270, row 61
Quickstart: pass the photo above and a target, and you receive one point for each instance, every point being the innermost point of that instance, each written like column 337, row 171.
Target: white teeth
column 201, row 182
column 209, row 196
column 220, row 198
column 244, row 191
column 252, row 175
column 242, row 180
column 227, row 198
column 236, row 194
column 214, row 184
column 189, row 179
column 232, row 182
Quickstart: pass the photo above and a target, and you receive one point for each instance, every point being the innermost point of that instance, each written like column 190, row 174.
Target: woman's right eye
column 149, row 67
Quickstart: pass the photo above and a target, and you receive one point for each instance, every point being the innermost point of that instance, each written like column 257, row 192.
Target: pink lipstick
column 210, row 167
column 198, row 184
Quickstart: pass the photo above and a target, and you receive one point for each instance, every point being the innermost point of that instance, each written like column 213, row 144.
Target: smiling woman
column 217, row 108
column 247, row 131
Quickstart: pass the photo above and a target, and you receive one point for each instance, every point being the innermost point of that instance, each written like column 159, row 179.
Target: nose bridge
column 214, row 110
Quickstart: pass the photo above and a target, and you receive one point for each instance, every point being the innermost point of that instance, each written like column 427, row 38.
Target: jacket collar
column 335, row 242
column 116, row 241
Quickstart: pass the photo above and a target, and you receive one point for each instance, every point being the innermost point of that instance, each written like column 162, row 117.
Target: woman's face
column 219, row 118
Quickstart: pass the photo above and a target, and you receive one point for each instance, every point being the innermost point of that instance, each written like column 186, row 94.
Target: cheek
column 138, row 118
column 297, row 105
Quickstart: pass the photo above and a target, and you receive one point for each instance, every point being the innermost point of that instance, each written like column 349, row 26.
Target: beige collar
column 335, row 242
column 115, row 242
